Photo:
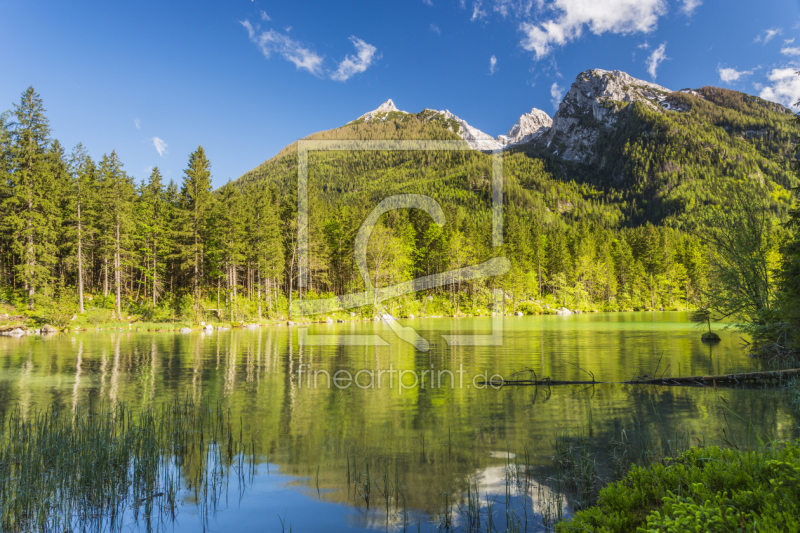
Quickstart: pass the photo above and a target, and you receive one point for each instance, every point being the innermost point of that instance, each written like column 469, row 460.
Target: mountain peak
column 387, row 106
column 381, row 112
column 601, row 95
column 528, row 127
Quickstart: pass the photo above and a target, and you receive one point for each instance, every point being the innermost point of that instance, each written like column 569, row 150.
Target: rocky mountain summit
column 594, row 103
column 528, row 127
column 384, row 111
column 476, row 139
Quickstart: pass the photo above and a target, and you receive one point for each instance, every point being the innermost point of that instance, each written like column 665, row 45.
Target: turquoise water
column 432, row 441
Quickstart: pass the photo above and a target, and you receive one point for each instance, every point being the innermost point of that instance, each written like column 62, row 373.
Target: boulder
column 519, row 313
column 47, row 328
column 185, row 330
column 252, row 326
column 710, row 336
column 209, row 327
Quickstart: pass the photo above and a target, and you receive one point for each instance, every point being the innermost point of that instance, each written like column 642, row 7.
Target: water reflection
column 433, row 441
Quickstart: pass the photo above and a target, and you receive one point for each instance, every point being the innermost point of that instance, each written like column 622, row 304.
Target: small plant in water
column 97, row 469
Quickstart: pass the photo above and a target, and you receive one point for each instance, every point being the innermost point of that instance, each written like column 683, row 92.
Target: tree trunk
column 258, row 285
column 118, row 274
column 155, row 272
column 31, row 260
column 80, row 254
column 105, row 276
column 196, row 260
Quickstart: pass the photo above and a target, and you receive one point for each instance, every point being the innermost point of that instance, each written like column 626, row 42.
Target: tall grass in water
column 95, row 469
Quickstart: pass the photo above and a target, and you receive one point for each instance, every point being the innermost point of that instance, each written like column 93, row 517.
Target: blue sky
column 244, row 78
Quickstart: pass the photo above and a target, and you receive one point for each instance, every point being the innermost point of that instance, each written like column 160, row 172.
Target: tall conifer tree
column 197, row 201
column 30, row 199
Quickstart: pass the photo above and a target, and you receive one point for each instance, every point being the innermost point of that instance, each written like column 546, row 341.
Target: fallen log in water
column 724, row 379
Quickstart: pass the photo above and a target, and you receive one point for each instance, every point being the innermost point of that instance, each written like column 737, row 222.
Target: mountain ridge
column 651, row 150
column 527, row 127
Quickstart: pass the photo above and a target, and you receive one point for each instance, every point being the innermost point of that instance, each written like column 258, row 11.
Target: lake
column 424, row 424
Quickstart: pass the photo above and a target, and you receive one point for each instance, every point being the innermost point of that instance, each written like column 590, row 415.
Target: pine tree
column 197, row 203
column 31, row 195
column 264, row 240
column 230, row 227
column 5, row 192
column 60, row 209
column 118, row 194
column 82, row 171
column 153, row 213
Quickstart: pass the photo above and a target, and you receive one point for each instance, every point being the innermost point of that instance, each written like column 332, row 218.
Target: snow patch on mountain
column 528, row 127
column 381, row 113
column 476, row 139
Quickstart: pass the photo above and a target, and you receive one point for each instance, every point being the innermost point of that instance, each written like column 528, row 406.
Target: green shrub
column 703, row 489
column 530, row 308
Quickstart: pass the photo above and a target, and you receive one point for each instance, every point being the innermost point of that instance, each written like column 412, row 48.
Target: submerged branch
column 724, row 379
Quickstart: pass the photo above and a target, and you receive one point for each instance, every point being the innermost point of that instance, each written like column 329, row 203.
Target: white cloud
column 435, row 29
column 767, row 35
column 655, row 59
column 643, row 46
column 160, row 145
column 689, row 6
column 788, row 41
column 356, row 64
column 615, row 16
column 785, row 88
column 137, row 123
column 477, row 10
column 790, row 51
column 731, row 74
column 264, row 16
column 556, row 94
column 520, row 8
column 492, row 65
column 271, row 41
column 427, row 2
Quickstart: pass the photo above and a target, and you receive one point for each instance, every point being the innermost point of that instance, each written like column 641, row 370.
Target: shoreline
column 19, row 330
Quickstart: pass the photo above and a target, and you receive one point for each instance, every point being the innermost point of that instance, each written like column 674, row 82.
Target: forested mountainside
column 600, row 210
column 611, row 226
column 666, row 159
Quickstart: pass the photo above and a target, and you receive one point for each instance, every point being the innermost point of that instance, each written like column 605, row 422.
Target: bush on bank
column 703, row 489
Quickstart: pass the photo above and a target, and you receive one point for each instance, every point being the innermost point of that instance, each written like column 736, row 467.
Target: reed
column 97, row 469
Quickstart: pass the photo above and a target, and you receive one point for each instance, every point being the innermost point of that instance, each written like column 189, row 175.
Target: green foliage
column 615, row 236
column 703, row 489
column 59, row 310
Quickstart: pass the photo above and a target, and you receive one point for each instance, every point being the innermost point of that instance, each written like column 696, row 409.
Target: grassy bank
column 100, row 315
column 702, row 489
